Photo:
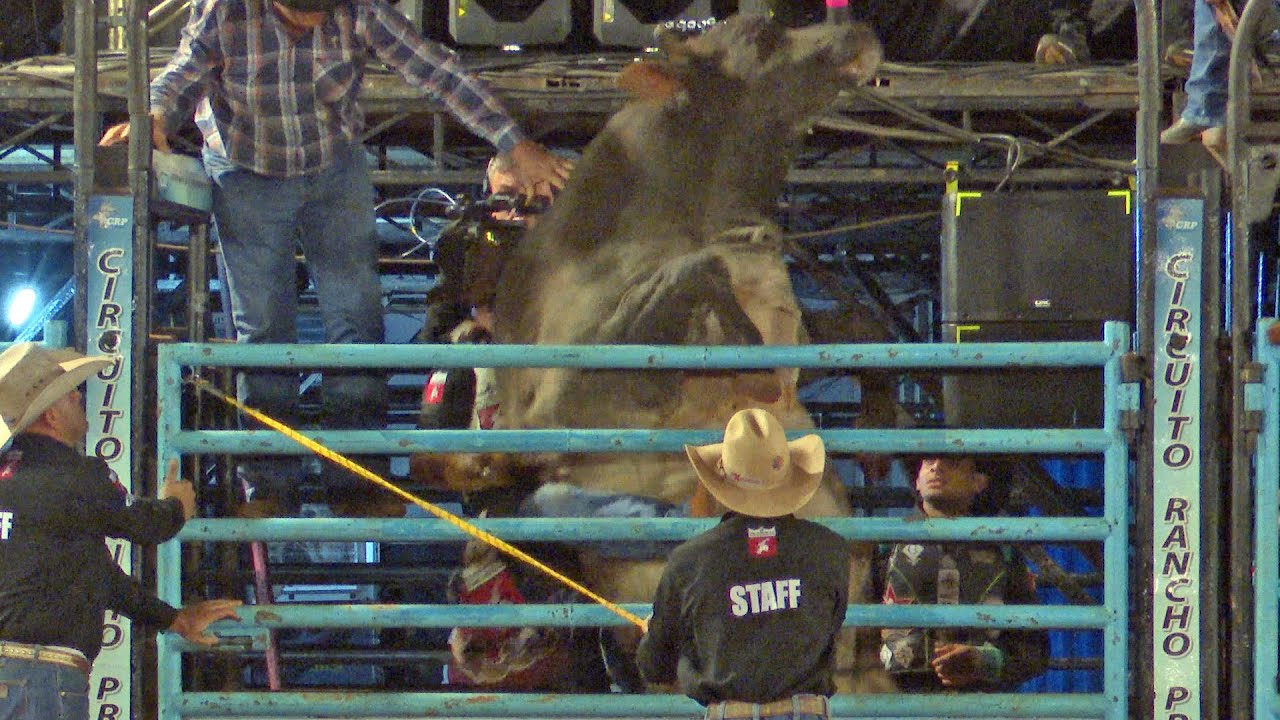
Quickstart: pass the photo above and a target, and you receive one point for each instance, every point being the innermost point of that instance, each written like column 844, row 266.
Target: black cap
column 999, row 469
column 311, row 5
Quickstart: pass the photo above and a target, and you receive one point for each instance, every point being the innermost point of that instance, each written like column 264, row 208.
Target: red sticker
column 433, row 393
column 9, row 465
column 891, row 598
column 762, row 547
column 762, row 542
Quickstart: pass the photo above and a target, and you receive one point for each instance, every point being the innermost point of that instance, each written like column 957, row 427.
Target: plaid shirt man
column 281, row 104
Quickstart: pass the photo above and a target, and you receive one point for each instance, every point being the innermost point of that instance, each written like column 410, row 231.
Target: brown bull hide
column 663, row 236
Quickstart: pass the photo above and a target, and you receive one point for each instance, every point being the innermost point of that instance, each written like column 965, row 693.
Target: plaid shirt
column 282, row 105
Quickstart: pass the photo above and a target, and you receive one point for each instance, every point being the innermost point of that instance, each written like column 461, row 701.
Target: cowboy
column 765, row 591
column 940, row 659
column 57, row 508
column 275, row 86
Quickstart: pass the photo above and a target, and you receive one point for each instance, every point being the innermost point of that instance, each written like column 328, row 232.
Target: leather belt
column 43, row 653
column 797, row 704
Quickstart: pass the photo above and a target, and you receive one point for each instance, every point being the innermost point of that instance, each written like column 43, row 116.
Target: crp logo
column 106, row 217
column 1174, row 220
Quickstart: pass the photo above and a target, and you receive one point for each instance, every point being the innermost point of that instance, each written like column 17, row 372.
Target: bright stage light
column 20, row 306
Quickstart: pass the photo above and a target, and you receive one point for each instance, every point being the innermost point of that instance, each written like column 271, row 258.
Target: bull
column 663, row 236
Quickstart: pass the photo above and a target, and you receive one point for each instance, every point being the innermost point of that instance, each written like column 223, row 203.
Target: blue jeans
column 262, row 222
column 42, row 691
column 1207, row 80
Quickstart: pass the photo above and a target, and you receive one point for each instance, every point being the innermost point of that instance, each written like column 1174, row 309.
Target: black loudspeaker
column 630, row 23
column 1033, row 267
column 509, row 22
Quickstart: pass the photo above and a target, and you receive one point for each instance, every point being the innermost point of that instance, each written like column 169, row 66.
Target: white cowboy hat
column 755, row 471
column 32, row 379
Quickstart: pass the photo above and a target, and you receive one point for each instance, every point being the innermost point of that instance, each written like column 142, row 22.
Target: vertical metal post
column 1115, row 549
column 1212, row 594
column 135, row 41
column 198, row 285
column 1268, row 554
column 169, row 555
column 1241, row 541
column 84, row 105
column 437, row 140
column 1147, row 135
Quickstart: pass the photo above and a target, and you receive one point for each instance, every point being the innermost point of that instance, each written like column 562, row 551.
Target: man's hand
column 176, row 487
column 958, row 665
column 192, row 620
column 120, row 133
column 538, row 172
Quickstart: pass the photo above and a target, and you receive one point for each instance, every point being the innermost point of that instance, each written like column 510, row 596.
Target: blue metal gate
column 1264, row 397
column 1111, row 529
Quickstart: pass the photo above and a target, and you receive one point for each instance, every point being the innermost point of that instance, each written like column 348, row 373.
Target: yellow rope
column 439, row 512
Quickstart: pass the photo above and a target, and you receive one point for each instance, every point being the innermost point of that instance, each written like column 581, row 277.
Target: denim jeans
column 1207, row 80
column 31, row 690
column 261, row 223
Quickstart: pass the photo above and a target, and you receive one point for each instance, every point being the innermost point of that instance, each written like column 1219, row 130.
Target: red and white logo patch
column 433, row 393
column 9, row 464
column 762, row 542
column 891, row 597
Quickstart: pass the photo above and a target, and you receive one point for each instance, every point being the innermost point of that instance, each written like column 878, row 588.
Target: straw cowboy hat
column 755, row 471
column 32, row 379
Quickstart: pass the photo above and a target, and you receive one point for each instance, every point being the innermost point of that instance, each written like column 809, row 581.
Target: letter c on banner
column 1174, row 268
column 1180, row 583
column 110, row 254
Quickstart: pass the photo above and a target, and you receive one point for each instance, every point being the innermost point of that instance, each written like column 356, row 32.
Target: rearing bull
column 663, row 236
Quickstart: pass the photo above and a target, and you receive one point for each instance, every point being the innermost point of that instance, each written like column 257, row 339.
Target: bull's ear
column 864, row 64
column 669, row 40
column 648, row 81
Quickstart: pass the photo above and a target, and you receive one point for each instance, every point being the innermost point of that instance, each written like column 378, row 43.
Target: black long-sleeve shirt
column 749, row 611
column 57, row 576
column 980, row 574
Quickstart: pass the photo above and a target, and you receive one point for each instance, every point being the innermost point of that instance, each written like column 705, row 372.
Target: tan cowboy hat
column 32, row 379
column 755, row 471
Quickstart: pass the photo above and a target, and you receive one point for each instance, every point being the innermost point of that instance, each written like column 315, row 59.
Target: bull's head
column 753, row 57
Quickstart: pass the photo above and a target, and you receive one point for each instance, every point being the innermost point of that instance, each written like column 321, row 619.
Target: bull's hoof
column 463, row 473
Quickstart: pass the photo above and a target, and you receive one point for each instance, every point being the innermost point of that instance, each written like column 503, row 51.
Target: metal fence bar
column 1077, row 617
column 856, row 355
column 1111, row 529
column 876, row 529
column 492, row 705
column 401, row 442
column 1266, row 458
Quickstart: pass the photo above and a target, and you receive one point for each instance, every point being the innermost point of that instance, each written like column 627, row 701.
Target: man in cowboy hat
column 766, row 592
column 57, row 508
column 937, row 659
column 275, row 85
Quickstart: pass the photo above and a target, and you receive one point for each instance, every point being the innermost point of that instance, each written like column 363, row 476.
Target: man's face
column 949, row 483
column 68, row 418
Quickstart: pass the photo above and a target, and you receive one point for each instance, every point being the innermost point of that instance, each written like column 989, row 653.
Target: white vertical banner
column 109, row 315
column 1176, row 541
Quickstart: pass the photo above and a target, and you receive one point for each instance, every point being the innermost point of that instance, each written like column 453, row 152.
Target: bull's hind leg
column 672, row 306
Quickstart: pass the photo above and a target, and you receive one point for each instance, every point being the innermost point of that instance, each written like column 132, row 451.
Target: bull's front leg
column 674, row 305
column 688, row 301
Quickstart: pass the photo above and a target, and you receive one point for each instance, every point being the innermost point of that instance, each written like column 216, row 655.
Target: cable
column 894, row 220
